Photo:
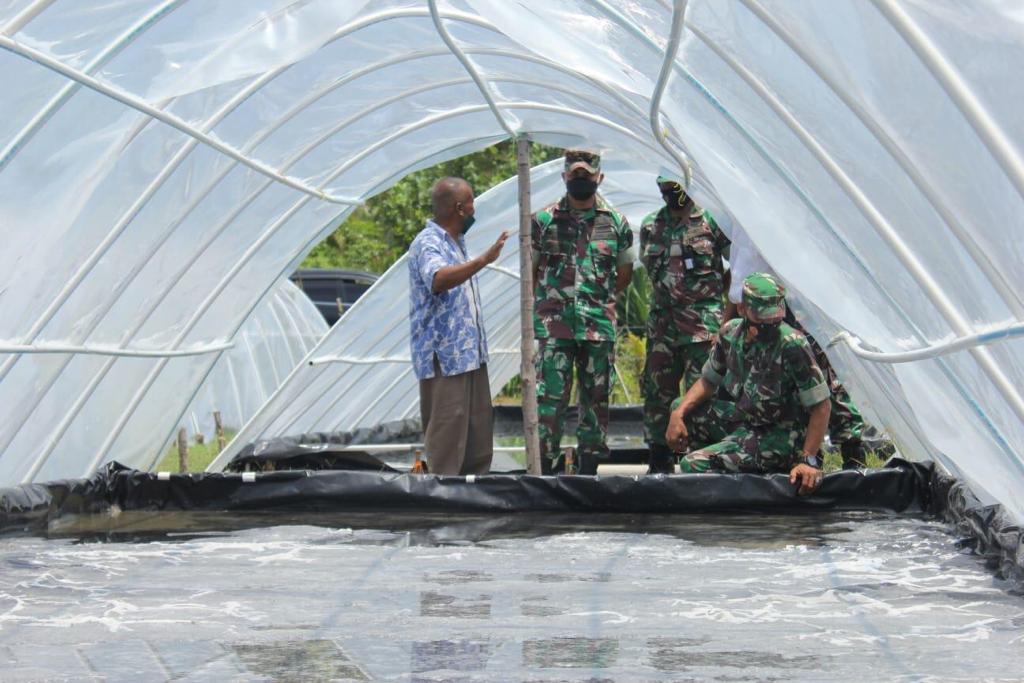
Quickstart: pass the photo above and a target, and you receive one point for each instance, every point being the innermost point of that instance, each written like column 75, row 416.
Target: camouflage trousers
column 592, row 360
column 665, row 367
column 719, row 442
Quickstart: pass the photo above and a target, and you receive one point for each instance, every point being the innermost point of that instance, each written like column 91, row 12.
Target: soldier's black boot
column 586, row 463
column 660, row 460
column 549, row 466
column 853, row 454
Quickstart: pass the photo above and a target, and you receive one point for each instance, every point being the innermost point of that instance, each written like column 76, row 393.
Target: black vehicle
column 332, row 290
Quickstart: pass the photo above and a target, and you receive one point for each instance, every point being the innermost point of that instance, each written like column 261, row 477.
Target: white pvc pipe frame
column 223, row 225
column 127, row 99
column 484, row 88
column 985, row 265
column 988, row 271
column 935, row 350
column 889, row 235
column 37, row 3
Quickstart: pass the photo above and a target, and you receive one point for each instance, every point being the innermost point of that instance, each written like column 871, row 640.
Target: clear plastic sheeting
column 163, row 164
column 369, row 346
column 280, row 332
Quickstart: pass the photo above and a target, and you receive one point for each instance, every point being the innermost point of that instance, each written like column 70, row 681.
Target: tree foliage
column 378, row 233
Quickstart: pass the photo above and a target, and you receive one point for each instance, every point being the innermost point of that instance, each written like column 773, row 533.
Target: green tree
column 377, row 234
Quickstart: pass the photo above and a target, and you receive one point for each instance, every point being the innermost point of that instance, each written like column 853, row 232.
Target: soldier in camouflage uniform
column 582, row 257
column 846, row 425
column 681, row 248
column 773, row 400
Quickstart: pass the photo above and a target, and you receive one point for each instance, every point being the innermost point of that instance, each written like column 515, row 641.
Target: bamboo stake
column 182, row 450
column 527, row 370
column 219, row 424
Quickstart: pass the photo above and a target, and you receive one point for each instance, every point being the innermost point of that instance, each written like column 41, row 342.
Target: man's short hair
column 445, row 194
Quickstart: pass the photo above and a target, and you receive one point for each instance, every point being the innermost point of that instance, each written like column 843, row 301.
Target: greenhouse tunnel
column 164, row 165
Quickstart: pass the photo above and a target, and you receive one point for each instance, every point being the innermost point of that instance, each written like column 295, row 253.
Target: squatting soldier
column 681, row 248
column 583, row 256
column 774, row 405
column 845, row 424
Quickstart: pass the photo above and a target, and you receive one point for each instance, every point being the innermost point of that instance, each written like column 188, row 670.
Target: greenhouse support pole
column 527, row 370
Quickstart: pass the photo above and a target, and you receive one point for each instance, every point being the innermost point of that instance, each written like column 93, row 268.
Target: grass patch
column 200, row 455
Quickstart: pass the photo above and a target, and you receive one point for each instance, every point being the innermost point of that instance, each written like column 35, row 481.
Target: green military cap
column 575, row 158
column 765, row 297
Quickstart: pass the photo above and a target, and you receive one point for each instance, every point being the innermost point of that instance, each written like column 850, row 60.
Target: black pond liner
column 367, row 485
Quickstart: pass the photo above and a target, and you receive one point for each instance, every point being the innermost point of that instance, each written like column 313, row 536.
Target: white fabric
column 744, row 259
column 871, row 150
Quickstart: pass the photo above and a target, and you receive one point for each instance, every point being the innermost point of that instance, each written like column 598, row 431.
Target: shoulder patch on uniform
column 730, row 326
column 791, row 336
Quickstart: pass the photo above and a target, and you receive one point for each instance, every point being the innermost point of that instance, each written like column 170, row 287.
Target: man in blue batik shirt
column 449, row 345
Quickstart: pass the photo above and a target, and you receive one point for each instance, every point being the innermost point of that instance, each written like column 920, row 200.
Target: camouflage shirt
column 577, row 255
column 683, row 259
column 772, row 383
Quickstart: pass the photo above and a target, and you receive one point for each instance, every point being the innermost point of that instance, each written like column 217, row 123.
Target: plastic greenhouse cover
column 360, row 375
column 278, row 334
column 164, row 163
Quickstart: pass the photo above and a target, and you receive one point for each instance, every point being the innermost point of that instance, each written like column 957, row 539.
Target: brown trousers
column 458, row 422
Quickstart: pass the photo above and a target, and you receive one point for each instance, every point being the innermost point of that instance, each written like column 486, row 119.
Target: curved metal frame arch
column 987, row 129
column 70, row 88
column 875, row 218
column 139, row 394
column 795, row 186
column 69, row 417
column 947, row 371
column 1010, row 295
column 242, row 96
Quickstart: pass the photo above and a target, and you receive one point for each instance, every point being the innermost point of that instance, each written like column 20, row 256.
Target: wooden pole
column 526, row 370
column 182, row 450
column 219, row 424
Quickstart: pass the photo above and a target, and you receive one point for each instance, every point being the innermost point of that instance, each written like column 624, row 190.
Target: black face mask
column 765, row 331
column 581, row 188
column 674, row 198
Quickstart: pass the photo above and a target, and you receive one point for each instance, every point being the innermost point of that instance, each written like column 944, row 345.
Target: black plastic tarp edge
column 987, row 530
column 899, row 488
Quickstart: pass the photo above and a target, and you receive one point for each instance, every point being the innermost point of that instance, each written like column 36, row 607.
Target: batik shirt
column 773, row 382
column 447, row 324
column 578, row 254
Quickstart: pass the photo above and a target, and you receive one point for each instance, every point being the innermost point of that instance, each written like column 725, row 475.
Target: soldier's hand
column 676, row 435
column 492, row 254
column 809, row 478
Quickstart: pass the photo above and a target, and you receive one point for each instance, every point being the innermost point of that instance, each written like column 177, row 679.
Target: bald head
column 447, row 194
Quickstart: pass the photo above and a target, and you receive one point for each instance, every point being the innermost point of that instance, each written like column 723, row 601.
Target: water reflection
column 563, row 653
column 750, row 530
column 299, row 661
column 453, row 606
column 450, row 655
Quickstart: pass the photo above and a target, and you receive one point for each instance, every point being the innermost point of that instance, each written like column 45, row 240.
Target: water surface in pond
column 185, row 596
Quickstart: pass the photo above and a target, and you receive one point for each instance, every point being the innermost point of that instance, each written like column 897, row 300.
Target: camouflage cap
column 579, row 158
column 764, row 297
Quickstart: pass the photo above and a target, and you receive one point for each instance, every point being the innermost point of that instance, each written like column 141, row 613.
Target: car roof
column 334, row 274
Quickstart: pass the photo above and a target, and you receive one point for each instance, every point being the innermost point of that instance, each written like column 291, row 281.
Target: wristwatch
column 810, row 459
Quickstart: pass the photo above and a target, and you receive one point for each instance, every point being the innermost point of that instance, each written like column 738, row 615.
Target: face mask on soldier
column 581, row 188
column 674, row 196
column 766, row 332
